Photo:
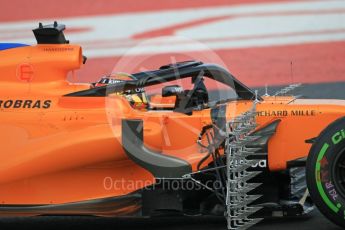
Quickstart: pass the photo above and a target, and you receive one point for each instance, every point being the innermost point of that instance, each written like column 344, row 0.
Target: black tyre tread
column 310, row 170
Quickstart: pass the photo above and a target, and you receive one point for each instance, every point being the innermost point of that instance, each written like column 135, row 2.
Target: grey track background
column 313, row 221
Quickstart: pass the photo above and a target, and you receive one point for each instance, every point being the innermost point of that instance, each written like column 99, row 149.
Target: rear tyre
column 326, row 172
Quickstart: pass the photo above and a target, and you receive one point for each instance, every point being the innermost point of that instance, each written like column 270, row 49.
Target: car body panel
column 57, row 149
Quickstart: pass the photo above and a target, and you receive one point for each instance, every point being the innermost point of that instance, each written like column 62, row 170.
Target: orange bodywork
column 57, row 149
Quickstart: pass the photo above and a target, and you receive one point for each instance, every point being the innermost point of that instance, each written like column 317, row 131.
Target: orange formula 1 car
column 111, row 148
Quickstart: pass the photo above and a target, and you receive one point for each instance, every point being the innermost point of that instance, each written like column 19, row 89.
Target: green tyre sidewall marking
column 321, row 172
column 322, row 192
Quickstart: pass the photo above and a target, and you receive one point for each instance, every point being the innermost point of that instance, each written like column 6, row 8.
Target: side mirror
column 171, row 90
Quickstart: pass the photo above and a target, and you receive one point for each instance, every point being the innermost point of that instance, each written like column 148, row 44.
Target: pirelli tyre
column 326, row 172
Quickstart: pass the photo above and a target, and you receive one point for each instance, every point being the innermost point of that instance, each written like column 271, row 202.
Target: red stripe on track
column 167, row 31
column 15, row 10
column 312, row 63
column 171, row 29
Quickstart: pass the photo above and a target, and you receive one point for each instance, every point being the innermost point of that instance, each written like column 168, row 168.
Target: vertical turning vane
column 239, row 136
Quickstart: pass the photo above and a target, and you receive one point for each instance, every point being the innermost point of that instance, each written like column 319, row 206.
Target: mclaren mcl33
column 112, row 148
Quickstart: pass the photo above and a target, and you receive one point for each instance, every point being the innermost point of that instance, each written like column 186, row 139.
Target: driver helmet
column 136, row 97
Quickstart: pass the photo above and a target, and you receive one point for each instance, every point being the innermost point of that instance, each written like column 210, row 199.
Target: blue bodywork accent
column 5, row 46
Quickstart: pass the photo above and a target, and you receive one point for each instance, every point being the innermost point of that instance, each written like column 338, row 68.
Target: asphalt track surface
column 313, row 221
